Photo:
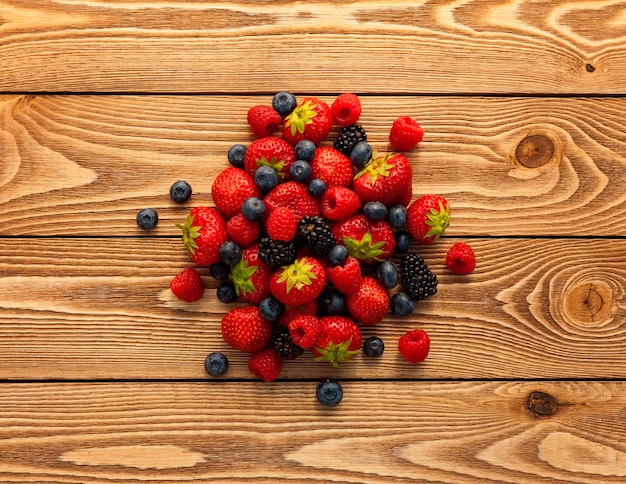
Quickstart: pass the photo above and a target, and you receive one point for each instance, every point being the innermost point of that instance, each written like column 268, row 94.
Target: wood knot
column 535, row 150
column 543, row 404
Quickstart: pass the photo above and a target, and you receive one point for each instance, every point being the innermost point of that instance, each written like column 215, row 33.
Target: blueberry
column 401, row 304
column 375, row 210
column 373, row 346
column 180, row 191
column 403, row 242
column 226, row 292
column 331, row 301
column 265, row 178
column 216, row 364
column 305, row 150
column 271, row 308
column 230, row 253
column 317, row 187
column 338, row 255
column 397, row 216
column 236, row 154
column 300, row 170
column 219, row 271
column 361, row 154
column 329, row 392
column 253, row 208
column 284, row 102
column 387, row 274
column 147, row 218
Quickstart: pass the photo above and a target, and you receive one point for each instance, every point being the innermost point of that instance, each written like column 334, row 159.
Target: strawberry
column 347, row 277
column 311, row 119
column 370, row 303
column 414, row 345
column 367, row 240
column 332, row 167
column 251, row 276
column 244, row 329
column 387, row 179
column 346, row 109
column 428, row 217
column 339, row 340
column 405, row 133
column 299, row 282
column 265, row 364
column 304, row 330
column 243, row 231
column 460, row 258
column 281, row 224
column 339, row 202
column 263, row 120
column 204, row 231
column 187, row 286
column 270, row 151
column 294, row 196
column 230, row 188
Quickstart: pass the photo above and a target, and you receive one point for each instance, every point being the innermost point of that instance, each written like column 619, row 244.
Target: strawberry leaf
column 438, row 220
column 241, row 274
column 364, row 249
column 336, row 354
column 190, row 234
column 298, row 274
column 377, row 167
column 301, row 117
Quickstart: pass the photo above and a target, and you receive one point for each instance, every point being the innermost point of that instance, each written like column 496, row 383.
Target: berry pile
column 307, row 231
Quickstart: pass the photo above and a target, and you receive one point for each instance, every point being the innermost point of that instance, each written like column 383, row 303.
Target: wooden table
column 105, row 104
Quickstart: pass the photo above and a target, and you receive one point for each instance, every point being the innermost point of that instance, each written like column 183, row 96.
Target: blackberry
column 417, row 279
column 285, row 347
column 276, row 253
column 316, row 234
column 348, row 137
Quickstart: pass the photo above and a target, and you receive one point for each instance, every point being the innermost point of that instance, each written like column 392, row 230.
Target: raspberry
column 346, row 109
column 282, row 224
column 265, row 364
column 242, row 231
column 405, row 134
column 304, row 330
column 338, row 203
column 263, row 120
column 414, row 345
column 460, row 258
column 187, row 286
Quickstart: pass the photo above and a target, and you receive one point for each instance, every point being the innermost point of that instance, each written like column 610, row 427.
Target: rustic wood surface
column 104, row 104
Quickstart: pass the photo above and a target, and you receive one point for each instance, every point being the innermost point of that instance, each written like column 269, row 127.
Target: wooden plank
column 253, row 432
column 84, row 165
column 102, row 308
column 251, row 46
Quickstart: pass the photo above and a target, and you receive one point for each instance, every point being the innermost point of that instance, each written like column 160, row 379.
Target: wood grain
column 84, row 165
column 399, row 47
column 102, row 308
column 254, row 432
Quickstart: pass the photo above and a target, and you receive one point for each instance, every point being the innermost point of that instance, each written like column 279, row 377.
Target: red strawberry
column 460, row 258
column 346, row 109
column 263, row 120
column 243, row 231
column 244, row 329
column 311, row 119
column 367, row 240
column 298, row 283
column 347, row 277
column 204, row 232
column 414, row 345
column 294, row 196
column 251, row 276
column 304, row 330
column 332, row 167
column 370, row 303
column 405, row 134
column 339, row 340
column 265, row 364
column 270, row 151
column 387, row 179
column 339, row 202
column 292, row 312
column 187, row 286
column 428, row 217
column 230, row 188
column 281, row 224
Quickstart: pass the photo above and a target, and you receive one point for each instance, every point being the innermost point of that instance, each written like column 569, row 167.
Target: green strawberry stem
column 336, row 353
column 300, row 117
column 377, row 167
column 297, row 274
column 241, row 274
column 190, row 234
column 438, row 220
column 364, row 249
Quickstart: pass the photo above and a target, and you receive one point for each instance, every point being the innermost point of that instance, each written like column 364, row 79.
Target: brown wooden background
column 106, row 103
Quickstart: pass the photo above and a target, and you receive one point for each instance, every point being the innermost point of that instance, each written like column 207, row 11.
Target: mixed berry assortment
column 308, row 233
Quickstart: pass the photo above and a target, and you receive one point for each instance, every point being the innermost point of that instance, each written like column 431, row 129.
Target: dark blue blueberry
column 216, row 364
column 317, row 187
column 375, row 210
column 180, row 191
column 253, row 208
column 147, row 218
column 401, row 304
column 226, row 292
column 403, row 242
column 373, row 346
column 265, row 178
column 219, row 271
column 331, row 301
column 230, row 253
column 387, row 274
column 361, row 154
column 284, row 102
column 300, row 170
column 397, row 216
column 338, row 255
column 271, row 308
column 305, row 150
column 236, row 155
column 329, row 392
